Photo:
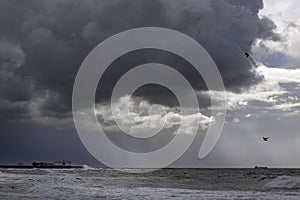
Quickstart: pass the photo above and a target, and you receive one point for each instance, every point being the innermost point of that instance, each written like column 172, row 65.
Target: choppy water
column 162, row 184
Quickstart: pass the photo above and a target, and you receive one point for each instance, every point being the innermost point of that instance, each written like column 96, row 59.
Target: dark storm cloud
column 15, row 90
column 55, row 36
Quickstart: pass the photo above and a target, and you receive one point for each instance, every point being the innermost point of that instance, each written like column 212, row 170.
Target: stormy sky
column 43, row 43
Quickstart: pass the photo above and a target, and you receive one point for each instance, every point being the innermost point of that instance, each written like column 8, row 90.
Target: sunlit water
column 175, row 184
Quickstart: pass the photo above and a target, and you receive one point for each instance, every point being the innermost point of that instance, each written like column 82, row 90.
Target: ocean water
column 89, row 183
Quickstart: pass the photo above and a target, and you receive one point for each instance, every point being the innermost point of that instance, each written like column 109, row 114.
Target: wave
column 87, row 167
column 284, row 182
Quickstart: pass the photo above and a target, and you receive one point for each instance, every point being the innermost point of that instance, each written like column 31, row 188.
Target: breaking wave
column 86, row 167
column 284, row 182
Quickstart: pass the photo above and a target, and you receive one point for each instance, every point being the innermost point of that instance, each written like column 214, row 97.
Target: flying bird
column 266, row 138
column 247, row 55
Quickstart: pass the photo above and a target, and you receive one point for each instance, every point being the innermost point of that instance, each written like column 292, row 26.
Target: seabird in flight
column 266, row 138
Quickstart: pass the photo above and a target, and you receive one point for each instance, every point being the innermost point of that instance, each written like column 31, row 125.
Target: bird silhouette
column 247, row 55
column 266, row 138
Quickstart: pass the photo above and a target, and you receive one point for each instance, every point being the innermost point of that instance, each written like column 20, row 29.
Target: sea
column 97, row 183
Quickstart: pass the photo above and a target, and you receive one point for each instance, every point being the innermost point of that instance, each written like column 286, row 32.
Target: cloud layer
column 144, row 115
column 44, row 42
column 279, row 91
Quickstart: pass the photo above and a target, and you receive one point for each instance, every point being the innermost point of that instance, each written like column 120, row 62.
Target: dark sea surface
column 90, row 183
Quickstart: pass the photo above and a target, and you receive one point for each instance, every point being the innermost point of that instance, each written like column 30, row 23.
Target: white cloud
column 286, row 106
column 286, row 16
column 140, row 119
column 280, row 75
column 269, row 91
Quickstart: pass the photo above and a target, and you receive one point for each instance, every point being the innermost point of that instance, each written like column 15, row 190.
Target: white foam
column 85, row 167
column 284, row 182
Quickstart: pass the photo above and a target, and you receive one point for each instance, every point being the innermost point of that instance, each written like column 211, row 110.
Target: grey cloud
column 15, row 90
column 266, row 28
column 56, row 36
column 226, row 29
column 11, row 56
